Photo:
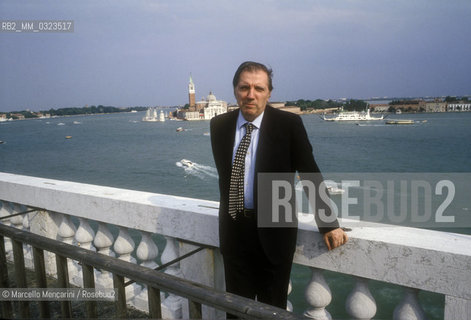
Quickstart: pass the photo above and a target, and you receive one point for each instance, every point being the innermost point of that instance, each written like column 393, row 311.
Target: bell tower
column 191, row 93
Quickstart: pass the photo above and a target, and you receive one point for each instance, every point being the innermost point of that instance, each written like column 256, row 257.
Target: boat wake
column 196, row 169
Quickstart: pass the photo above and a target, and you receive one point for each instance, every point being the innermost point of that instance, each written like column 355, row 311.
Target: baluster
column 66, row 233
column 17, row 222
column 360, row 302
column 27, row 249
column 318, row 296
column 103, row 242
column 172, row 305
column 84, row 235
column 124, row 246
column 289, row 305
column 409, row 308
column 147, row 251
column 5, row 210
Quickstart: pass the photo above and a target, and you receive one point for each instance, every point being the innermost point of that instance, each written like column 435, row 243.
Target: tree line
column 100, row 109
column 350, row 105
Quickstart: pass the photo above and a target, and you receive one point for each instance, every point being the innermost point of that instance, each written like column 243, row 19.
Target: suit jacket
column 283, row 147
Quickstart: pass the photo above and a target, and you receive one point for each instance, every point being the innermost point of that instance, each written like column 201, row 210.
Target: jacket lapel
column 229, row 136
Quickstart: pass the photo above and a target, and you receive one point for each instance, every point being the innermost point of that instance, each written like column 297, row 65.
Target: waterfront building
column 459, row 107
column 435, row 106
column 205, row 109
column 212, row 107
column 382, row 107
column 17, row 116
column 410, row 106
column 277, row 105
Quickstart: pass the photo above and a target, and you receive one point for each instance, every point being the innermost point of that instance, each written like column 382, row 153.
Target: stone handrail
column 414, row 258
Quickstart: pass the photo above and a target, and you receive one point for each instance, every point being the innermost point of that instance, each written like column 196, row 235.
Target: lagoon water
column 119, row 150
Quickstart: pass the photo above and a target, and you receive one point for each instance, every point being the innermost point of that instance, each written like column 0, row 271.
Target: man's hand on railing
column 335, row 238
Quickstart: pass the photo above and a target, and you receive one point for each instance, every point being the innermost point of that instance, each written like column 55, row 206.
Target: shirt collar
column 257, row 122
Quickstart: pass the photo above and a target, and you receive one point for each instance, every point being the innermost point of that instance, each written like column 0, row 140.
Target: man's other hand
column 335, row 238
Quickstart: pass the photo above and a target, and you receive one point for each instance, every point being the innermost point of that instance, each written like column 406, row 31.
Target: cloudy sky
column 141, row 52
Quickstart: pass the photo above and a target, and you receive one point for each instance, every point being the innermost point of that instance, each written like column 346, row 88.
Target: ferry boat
column 352, row 116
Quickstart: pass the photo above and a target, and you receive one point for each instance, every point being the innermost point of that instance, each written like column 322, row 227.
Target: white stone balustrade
column 409, row 308
column 147, row 252
column 360, row 302
column 103, row 242
column 172, row 305
column 4, row 212
column 416, row 259
column 66, row 233
column 124, row 246
column 318, row 296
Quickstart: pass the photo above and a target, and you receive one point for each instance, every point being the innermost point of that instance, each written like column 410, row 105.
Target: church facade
column 205, row 109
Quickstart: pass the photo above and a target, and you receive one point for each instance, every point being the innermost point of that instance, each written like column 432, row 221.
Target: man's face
column 252, row 93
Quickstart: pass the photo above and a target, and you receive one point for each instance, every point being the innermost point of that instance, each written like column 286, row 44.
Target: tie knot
column 249, row 127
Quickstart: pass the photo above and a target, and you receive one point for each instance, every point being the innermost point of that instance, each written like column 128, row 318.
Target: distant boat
column 61, row 124
column 133, row 111
column 151, row 116
column 68, row 137
column 352, row 116
column 179, row 129
column 404, row 121
column 187, row 163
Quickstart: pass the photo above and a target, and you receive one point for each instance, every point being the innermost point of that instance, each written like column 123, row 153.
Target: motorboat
column 179, row 129
column 187, row 163
column 335, row 190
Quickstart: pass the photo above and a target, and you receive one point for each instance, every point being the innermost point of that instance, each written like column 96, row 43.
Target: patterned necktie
column 236, row 189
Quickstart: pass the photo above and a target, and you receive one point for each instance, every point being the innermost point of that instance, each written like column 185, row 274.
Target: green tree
column 355, row 105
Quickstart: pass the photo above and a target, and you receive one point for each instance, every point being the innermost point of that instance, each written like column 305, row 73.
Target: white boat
column 162, row 116
column 187, row 163
column 335, row 190
column 332, row 187
column 400, row 121
column 352, row 116
column 179, row 129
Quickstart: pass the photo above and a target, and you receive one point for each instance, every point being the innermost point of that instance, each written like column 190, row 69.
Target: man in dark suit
column 252, row 140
